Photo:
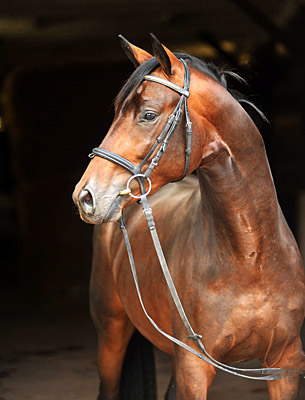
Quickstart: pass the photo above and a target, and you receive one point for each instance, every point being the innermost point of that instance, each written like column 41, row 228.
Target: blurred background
column 61, row 66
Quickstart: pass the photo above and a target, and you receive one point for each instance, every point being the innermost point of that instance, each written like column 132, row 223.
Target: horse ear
column 169, row 62
column 136, row 55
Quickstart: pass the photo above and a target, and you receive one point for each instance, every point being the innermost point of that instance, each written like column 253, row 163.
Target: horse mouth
column 115, row 210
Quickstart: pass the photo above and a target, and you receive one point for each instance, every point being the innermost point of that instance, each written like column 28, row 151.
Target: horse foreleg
column 293, row 363
column 114, row 329
column 193, row 376
column 113, row 337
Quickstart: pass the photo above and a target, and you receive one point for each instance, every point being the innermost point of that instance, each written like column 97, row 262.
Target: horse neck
column 239, row 201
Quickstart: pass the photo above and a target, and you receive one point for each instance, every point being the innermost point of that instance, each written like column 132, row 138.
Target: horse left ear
column 169, row 62
column 136, row 55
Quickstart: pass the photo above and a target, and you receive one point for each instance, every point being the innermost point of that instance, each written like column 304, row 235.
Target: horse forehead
column 156, row 93
column 153, row 95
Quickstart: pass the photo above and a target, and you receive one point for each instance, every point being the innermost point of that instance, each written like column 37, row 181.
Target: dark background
column 61, row 66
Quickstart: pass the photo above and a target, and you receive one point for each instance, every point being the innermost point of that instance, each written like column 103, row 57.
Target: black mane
column 219, row 74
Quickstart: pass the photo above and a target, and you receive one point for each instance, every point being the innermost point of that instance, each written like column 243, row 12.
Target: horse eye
column 150, row 116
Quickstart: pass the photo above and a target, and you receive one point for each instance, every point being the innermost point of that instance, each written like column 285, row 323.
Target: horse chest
column 232, row 324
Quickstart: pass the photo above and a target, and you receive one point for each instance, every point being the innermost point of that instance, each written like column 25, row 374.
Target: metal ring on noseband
column 138, row 176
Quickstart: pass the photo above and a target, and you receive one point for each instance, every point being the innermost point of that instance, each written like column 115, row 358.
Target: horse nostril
column 86, row 200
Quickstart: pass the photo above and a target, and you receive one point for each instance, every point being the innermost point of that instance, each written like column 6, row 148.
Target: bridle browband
column 136, row 171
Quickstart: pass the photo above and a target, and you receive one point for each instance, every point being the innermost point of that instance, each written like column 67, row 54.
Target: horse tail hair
column 138, row 379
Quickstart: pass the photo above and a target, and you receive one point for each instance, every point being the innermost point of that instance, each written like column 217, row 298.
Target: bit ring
column 138, row 176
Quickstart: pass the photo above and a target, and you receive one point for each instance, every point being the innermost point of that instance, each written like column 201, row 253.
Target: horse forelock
column 217, row 73
column 135, row 80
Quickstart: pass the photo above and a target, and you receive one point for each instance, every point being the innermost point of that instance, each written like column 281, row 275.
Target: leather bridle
column 164, row 137
column 136, row 171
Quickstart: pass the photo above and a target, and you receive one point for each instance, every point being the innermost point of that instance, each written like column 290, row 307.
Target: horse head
column 146, row 117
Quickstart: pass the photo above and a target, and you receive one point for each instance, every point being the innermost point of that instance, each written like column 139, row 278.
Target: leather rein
column 136, row 171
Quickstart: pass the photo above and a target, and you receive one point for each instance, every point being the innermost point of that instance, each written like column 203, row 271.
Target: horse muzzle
column 96, row 207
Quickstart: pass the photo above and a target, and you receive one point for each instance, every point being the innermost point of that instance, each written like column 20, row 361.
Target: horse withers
column 230, row 254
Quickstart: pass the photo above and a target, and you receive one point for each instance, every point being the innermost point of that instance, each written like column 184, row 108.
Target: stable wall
column 55, row 115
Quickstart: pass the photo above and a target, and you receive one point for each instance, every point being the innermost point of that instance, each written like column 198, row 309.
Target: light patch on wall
column 228, row 46
column 12, row 26
column 202, row 50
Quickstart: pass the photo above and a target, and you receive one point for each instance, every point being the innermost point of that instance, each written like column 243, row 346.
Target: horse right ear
column 136, row 55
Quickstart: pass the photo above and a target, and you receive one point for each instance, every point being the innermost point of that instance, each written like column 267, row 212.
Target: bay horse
column 231, row 256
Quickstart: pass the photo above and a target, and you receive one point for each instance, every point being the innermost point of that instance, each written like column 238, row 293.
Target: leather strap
column 269, row 373
column 109, row 155
column 182, row 91
column 164, row 136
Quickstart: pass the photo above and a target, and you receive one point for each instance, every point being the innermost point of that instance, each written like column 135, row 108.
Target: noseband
column 136, row 171
column 164, row 137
